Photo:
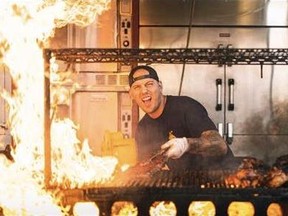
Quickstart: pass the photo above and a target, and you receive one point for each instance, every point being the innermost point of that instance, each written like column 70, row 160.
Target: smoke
column 270, row 141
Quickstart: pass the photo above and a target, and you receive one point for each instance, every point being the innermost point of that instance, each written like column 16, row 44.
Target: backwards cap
column 151, row 74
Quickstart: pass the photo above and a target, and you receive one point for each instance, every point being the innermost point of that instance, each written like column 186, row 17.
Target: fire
column 163, row 208
column 74, row 165
column 202, row 208
column 25, row 29
column 124, row 208
column 85, row 208
column 241, row 208
column 274, row 209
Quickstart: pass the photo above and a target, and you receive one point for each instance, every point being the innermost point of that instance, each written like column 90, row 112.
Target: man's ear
column 160, row 85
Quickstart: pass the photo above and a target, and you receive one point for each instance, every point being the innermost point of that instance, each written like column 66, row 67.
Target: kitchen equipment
column 182, row 188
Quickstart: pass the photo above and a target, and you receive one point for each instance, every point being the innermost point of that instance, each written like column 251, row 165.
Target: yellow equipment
column 115, row 144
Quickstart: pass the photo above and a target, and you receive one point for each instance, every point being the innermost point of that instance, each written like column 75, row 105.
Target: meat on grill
column 250, row 173
column 276, row 177
column 150, row 166
column 253, row 173
column 278, row 174
column 145, row 169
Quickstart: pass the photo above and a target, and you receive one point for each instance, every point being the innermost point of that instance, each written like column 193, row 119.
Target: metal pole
column 47, row 123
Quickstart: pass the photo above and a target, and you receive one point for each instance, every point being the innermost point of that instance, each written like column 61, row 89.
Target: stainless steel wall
column 260, row 95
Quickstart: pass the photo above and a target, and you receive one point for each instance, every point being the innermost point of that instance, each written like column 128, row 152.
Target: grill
column 182, row 188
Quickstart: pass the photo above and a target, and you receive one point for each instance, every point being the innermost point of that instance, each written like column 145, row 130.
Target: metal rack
column 217, row 56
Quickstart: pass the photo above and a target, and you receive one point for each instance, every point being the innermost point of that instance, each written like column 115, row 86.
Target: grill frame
column 168, row 186
column 143, row 197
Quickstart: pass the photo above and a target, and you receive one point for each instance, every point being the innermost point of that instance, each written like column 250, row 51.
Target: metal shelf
column 217, row 56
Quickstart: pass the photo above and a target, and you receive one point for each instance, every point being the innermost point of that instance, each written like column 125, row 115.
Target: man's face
column 147, row 93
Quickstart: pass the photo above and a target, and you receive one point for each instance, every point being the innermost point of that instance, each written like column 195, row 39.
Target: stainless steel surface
column 259, row 93
column 219, row 94
column 212, row 12
column 206, row 37
column 229, row 133
column 220, row 129
column 231, row 103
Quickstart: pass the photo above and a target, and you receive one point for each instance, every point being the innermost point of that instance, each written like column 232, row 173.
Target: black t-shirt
column 183, row 117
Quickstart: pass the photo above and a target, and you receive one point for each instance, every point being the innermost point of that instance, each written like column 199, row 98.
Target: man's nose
column 144, row 89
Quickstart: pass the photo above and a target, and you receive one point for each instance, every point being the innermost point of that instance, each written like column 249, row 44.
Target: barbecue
column 147, row 168
column 182, row 188
column 278, row 174
column 237, row 45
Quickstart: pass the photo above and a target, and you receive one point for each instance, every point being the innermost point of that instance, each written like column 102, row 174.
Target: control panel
column 126, row 35
column 126, row 123
column 126, row 115
column 125, row 23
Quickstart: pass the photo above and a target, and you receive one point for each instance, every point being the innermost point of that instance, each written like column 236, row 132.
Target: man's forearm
column 209, row 144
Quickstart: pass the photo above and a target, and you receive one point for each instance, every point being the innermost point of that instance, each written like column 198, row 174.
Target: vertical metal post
column 47, row 123
column 135, row 45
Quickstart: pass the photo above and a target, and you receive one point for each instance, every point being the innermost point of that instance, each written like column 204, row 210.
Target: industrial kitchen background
column 246, row 100
column 231, row 55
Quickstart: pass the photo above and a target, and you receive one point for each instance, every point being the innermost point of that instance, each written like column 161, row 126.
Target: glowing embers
column 196, row 208
column 162, row 208
column 201, row 208
column 124, row 208
column 247, row 209
column 241, row 208
column 207, row 208
column 85, row 208
column 274, row 209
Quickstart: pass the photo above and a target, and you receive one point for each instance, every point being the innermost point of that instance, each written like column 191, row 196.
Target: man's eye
column 136, row 87
column 150, row 84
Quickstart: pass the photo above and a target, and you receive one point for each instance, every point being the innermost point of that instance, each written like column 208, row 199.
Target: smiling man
column 196, row 143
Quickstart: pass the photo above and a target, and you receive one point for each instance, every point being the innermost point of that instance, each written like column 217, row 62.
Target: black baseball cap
column 152, row 74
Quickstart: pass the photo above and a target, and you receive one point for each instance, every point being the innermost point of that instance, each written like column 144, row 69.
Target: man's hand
column 176, row 147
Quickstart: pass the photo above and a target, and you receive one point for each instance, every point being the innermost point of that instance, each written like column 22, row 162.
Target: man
column 195, row 142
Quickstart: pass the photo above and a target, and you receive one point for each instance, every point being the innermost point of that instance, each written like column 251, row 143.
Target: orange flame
column 124, row 208
column 202, row 208
column 25, row 27
column 163, row 208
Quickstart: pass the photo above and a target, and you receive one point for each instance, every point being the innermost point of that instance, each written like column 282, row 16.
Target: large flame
column 25, row 28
